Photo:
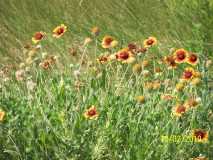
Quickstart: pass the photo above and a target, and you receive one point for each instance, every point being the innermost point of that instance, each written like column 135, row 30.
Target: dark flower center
column 123, row 55
column 132, row 46
column 92, row 112
column 108, row 41
column 150, row 42
column 199, row 134
column 181, row 55
column 193, row 58
column 181, row 109
column 187, row 74
column 60, row 31
column 38, row 36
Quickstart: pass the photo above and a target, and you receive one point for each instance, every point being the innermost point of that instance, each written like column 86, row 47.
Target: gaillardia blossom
column 109, row 42
column 38, row 36
column 59, row 31
column 180, row 55
column 192, row 59
column 179, row 110
column 103, row 59
column 125, row 56
column 149, row 42
column 188, row 73
column 91, row 113
column 170, row 61
column 200, row 135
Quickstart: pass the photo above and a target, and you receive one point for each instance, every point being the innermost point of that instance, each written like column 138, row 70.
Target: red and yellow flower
column 192, row 59
column 150, row 42
column 200, row 135
column 91, row 113
column 179, row 110
column 38, row 36
column 59, row 31
column 170, row 61
column 103, row 59
column 109, row 42
column 188, row 74
column 180, row 55
column 125, row 56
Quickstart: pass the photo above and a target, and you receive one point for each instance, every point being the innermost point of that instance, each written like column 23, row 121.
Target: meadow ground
column 120, row 80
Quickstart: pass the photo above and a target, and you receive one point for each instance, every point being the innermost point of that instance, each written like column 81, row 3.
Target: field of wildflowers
column 106, row 80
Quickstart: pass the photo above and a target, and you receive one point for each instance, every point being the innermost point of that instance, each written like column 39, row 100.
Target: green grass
column 48, row 122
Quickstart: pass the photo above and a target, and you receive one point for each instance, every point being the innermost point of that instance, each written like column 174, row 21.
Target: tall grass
column 48, row 122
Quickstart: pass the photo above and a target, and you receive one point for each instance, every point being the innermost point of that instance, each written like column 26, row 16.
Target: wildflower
column 170, row 61
column 200, row 135
column 188, row 73
column 137, row 68
column 180, row 55
column 20, row 74
column 91, row 113
column 109, row 42
column 139, row 51
column 192, row 102
column 132, row 47
column 125, row 56
column 59, row 31
column 95, row 31
column 179, row 86
column 38, row 36
column 150, row 42
column 103, row 59
column 45, row 64
column 192, row 59
column 30, row 85
column 2, row 114
column 140, row 99
column 179, row 110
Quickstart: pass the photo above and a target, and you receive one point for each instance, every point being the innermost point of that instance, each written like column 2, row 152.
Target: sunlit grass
column 110, row 92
